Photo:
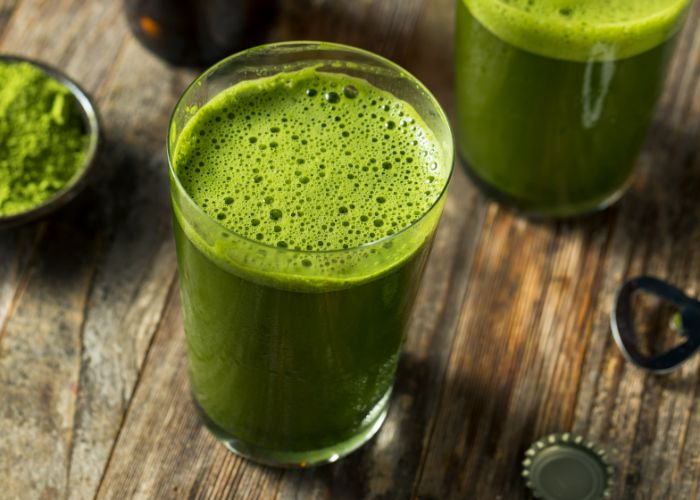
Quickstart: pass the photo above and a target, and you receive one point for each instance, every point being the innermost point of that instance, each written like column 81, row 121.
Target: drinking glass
column 292, row 354
column 555, row 98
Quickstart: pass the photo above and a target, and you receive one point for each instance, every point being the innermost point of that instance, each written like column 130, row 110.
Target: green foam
column 581, row 30
column 310, row 160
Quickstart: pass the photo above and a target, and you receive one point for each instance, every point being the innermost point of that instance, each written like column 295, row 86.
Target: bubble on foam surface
column 343, row 161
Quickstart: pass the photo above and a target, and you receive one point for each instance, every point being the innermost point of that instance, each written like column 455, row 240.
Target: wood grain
column 533, row 353
column 85, row 290
column 136, row 267
column 38, row 369
column 509, row 339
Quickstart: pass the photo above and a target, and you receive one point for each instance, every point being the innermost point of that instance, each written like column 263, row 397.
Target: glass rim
column 311, row 44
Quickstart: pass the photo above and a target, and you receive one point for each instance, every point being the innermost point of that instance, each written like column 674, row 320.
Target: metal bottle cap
column 565, row 467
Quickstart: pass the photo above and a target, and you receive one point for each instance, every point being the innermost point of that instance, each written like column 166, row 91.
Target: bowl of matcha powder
column 49, row 133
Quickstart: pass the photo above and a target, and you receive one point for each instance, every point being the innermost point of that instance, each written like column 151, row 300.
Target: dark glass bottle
column 199, row 32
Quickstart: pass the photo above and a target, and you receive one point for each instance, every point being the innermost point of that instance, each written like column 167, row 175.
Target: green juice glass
column 555, row 97
column 292, row 349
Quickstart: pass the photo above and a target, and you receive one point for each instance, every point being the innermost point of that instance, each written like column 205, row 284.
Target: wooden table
column 509, row 342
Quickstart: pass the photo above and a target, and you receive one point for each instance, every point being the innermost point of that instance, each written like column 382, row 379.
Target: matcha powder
column 42, row 141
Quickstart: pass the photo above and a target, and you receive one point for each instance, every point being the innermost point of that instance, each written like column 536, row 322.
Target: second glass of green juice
column 555, row 96
column 307, row 181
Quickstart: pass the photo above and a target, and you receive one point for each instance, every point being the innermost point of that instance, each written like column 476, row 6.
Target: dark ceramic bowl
column 91, row 123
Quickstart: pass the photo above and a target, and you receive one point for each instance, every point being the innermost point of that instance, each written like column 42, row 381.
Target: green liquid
column 555, row 98
column 294, row 352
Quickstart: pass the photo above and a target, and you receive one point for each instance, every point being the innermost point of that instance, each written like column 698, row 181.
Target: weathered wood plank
column 136, row 267
column 7, row 9
column 41, row 345
column 122, row 258
column 16, row 250
column 38, row 369
column 534, row 355
column 512, row 372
